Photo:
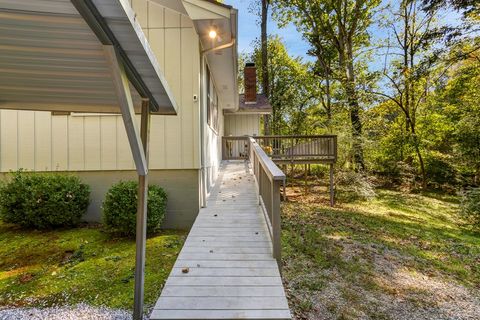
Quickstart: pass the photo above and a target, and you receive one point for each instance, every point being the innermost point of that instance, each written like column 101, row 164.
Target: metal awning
column 85, row 56
column 52, row 57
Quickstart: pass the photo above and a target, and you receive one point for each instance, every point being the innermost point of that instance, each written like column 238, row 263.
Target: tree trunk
column 265, row 80
column 354, row 107
column 329, row 103
column 356, row 135
column 416, row 144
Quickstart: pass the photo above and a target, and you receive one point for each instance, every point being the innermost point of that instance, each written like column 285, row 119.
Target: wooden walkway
column 225, row 269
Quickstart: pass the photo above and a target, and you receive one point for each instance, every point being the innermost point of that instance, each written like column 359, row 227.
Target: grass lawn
column 398, row 256
column 65, row 267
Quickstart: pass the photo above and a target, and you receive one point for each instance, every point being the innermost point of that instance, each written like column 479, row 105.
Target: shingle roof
column 262, row 105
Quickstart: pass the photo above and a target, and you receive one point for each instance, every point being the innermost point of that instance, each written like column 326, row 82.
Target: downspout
column 203, row 97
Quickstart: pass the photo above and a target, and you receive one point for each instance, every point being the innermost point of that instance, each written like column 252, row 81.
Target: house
column 195, row 45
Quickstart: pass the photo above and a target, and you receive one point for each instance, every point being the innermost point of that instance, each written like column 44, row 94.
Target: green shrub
column 470, row 206
column 439, row 169
column 120, row 208
column 43, row 201
column 355, row 185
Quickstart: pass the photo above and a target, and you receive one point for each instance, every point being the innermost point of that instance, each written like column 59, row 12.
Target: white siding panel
column 76, row 155
column 173, row 125
column 157, row 43
column 8, row 140
column 26, row 140
column 108, row 133
column 187, row 97
column 155, row 15
column 172, row 19
column 43, row 141
column 196, row 105
column 240, row 125
column 92, row 143
column 60, row 143
column 124, row 154
column 157, row 156
column 141, row 10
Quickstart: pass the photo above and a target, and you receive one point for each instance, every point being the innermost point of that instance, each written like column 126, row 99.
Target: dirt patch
column 387, row 289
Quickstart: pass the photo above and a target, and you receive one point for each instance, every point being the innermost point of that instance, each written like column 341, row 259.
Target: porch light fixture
column 212, row 34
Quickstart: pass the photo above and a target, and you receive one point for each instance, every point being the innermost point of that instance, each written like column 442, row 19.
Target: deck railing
column 269, row 178
column 295, row 149
column 235, row 148
column 300, row 148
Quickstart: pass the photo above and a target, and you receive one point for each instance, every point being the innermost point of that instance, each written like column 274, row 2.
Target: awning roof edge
column 91, row 11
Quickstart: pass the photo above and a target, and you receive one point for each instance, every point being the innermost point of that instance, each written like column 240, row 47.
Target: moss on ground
column 65, row 267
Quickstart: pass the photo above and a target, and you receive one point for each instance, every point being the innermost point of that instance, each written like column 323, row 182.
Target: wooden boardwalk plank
column 215, row 249
column 223, row 291
column 225, row 264
column 230, row 244
column 230, row 272
column 224, row 281
column 220, row 314
column 222, row 303
column 225, row 269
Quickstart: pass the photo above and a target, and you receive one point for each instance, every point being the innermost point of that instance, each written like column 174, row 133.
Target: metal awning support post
column 141, row 234
column 139, row 146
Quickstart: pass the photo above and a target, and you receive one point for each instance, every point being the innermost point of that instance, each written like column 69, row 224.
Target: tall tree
column 292, row 89
column 264, row 42
column 409, row 77
column 261, row 8
column 342, row 24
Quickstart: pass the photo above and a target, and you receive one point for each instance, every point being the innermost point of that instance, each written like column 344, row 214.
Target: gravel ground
column 400, row 294
column 78, row 312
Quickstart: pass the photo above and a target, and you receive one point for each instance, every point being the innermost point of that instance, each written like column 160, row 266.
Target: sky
column 249, row 30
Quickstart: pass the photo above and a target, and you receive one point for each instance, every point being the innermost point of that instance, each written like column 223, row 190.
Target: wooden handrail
column 271, row 168
column 269, row 179
column 294, row 136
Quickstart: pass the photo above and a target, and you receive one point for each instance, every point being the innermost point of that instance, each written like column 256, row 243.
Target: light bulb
column 212, row 34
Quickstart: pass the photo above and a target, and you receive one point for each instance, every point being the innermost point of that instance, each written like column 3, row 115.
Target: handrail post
column 276, row 222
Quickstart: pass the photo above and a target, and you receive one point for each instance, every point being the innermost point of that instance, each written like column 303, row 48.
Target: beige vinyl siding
column 240, row 125
column 39, row 141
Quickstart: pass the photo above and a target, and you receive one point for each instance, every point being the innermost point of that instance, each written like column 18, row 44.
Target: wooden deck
column 226, row 269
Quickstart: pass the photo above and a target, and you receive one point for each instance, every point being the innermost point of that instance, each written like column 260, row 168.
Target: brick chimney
column 250, row 83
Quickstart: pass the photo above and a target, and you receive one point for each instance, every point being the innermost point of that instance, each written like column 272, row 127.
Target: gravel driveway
column 78, row 312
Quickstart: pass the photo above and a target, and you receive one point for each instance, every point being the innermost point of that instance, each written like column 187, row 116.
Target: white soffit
column 208, row 15
column 52, row 58
column 204, row 9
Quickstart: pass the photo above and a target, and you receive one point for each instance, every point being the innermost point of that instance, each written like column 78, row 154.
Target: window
column 212, row 103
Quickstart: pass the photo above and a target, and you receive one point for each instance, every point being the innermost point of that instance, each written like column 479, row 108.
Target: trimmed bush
column 470, row 206
column 120, row 208
column 43, row 201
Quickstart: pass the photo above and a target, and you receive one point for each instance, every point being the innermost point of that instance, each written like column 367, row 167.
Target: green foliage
column 355, row 185
column 439, row 169
column 471, row 206
column 42, row 201
column 120, row 208
column 293, row 90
